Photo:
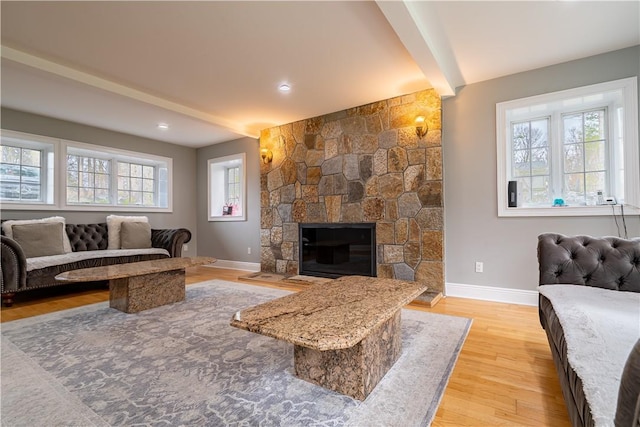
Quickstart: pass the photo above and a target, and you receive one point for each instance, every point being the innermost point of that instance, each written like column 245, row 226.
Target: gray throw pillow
column 135, row 235
column 41, row 239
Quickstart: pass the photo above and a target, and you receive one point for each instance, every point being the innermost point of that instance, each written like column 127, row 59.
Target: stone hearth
column 364, row 164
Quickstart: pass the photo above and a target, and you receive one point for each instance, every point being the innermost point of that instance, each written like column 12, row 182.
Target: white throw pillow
column 114, row 223
column 7, row 226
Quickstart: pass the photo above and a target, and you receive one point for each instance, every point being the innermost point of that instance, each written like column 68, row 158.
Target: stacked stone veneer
column 365, row 164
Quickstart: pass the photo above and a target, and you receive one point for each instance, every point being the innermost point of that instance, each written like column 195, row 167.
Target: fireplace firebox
column 335, row 250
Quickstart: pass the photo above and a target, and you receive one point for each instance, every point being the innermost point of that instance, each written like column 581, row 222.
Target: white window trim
column 629, row 86
column 220, row 162
column 60, row 170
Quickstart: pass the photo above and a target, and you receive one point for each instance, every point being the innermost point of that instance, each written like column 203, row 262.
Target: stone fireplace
column 361, row 165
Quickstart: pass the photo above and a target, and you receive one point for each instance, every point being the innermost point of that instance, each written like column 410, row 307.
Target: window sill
column 604, row 210
column 227, row 218
column 105, row 208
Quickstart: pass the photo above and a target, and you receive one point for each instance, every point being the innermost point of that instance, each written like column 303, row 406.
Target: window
column 26, row 169
column 570, row 150
column 227, row 180
column 92, row 177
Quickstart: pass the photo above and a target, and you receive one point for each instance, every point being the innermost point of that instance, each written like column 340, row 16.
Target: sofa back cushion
column 604, row 262
column 43, row 239
column 88, row 237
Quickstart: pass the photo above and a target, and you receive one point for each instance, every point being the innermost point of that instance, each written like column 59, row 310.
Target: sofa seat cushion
column 76, row 257
column 600, row 328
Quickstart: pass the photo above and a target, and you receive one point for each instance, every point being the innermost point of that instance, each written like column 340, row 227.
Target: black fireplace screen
column 334, row 250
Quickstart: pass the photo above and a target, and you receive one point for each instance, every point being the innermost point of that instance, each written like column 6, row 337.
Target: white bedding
column 48, row 261
column 601, row 326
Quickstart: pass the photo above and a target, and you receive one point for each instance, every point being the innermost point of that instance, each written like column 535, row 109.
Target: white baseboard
column 490, row 293
column 235, row 265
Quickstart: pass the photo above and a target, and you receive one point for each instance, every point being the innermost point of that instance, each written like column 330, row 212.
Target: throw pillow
column 38, row 240
column 135, row 235
column 114, row 222
column 7, row 226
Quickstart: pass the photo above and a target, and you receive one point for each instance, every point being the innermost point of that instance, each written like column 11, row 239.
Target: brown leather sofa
column 17, row 277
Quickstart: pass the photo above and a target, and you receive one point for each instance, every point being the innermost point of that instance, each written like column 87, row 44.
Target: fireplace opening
column 334, row 250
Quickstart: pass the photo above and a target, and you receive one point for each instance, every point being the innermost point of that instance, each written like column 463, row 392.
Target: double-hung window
column 573, row 152
column 82, row 177
column 226, row 180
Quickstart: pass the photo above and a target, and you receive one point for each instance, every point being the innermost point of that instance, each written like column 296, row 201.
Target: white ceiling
column 211, row 69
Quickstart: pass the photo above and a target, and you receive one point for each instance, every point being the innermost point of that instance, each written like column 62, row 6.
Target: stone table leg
column 353, row 371
column 138, row 293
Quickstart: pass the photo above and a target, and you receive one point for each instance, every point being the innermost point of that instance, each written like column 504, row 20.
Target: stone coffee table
column 139, row 286
column 346, row 332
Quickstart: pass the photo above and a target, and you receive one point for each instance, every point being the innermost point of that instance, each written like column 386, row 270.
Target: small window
column 88, row 180
column 26, row 169
column 227, row 180
column 570, row 152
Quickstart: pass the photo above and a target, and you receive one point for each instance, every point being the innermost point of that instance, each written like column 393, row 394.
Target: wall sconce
column 267, row 155
column 421, row 127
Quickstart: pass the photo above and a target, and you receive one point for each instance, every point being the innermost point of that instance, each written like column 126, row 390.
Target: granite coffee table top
column 119, row 271
column 330, row 316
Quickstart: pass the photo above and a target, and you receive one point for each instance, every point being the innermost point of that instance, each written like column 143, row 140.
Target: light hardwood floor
column 504, row 375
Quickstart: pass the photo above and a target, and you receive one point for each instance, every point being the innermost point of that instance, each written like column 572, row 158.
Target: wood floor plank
column 504, row 375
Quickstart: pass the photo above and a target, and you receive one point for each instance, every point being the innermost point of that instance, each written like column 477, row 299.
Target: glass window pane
column 86, row 164
column 521, row 163
column 594, row 181
column 30, row 174
column 148, row 199
column 594, row 156
column 72, row 195
column 86, row 195
column 136, row 170
column 539, row 133
column 574, row 188
column 31, row 157
column 594, row 126
column 102, row 181
column 524, row 190
column 540, row 191
column 123, row 197
column 520, row 136
column 136, row 197
column 10, row 172
column 147, row 185
column 102, row 166
column 540, row 161
column 30, row 192
column 148, row 172
column 572, row 128
column 72, row 178
column 10, row 191
column 123, row 169
column 72, row 162
column 10, row 155
column 136, row 184
column 102, row 196
column 123, row 183
column 573, row 158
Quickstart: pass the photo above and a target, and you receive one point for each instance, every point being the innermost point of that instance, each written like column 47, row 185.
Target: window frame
column 629, row 104
column 217, row 186
column 58, row 174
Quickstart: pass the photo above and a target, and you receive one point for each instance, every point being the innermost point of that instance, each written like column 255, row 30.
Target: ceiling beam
column 419, row 29
column 119, row 89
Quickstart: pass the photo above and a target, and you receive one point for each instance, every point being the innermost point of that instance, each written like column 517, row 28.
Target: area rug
column 183, row 365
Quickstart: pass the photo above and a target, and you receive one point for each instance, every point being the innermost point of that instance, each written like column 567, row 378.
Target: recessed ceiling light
column 163, row 126
column 284, row 87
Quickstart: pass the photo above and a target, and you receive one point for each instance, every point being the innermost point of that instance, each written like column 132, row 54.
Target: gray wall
column 229, row 240
column 184, row 164
column 473, row 231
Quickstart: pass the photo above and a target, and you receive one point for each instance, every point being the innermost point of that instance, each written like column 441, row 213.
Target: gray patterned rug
column 183, row 365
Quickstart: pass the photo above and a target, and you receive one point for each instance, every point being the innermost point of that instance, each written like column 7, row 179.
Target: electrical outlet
column 185, row 248
column 479, row 267
column 249, row 250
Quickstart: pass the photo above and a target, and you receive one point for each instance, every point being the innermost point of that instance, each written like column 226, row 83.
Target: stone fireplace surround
column 364, row 164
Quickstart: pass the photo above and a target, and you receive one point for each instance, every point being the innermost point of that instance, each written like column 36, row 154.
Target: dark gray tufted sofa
column 607, row 262
column 83, row 237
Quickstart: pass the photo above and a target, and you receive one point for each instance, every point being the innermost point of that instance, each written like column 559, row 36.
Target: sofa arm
column 171, row 240
column 14, row 266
